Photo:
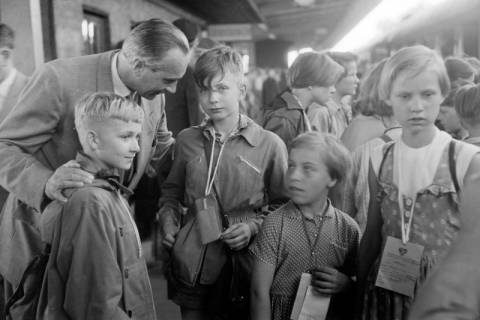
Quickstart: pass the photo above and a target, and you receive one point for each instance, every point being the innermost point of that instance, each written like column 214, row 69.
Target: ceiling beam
column 298, row 19
column 289, row 7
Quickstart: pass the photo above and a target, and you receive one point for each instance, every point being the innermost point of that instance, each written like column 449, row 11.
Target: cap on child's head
column 102, row 106
column 217, row 61
column 467, row 104
column 333, row 153
column 412, row 61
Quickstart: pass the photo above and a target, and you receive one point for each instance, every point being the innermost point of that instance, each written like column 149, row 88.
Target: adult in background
column 38, row 138
column 12, row 81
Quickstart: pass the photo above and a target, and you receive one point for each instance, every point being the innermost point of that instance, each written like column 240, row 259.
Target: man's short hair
column 7, row 36
column 413, row 61
column 313, row 69
column 467, row 104
column 217, row 61
column 150, row 40
column 101, row 106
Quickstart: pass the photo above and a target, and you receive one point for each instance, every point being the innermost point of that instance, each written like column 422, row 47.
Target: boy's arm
column 87, row 261
column 262, row 278
column 172, row 193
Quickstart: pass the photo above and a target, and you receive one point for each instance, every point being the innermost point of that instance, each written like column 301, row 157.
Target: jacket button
column 126, row 273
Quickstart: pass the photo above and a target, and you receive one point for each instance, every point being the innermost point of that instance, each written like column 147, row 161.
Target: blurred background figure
column 12, row 81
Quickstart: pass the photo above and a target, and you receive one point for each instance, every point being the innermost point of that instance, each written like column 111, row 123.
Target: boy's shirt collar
column 291, row 100
column 103, row 177
column 295, row 213
column 246, row 128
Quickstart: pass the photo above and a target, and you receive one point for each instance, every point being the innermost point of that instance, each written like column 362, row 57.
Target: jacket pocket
column 137, row 292
column 250, row 180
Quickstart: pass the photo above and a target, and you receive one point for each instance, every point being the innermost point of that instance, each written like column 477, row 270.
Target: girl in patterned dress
column 415, row 179
column 307, row 234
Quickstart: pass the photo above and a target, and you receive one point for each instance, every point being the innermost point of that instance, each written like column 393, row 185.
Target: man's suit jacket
column 12, row 96
column 38, row 136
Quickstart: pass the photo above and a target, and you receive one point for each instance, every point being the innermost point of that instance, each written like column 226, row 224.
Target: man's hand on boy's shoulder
column 69, row 175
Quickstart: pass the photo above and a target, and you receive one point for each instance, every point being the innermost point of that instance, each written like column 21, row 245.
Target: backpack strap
column 452, row 166
column 385, row 153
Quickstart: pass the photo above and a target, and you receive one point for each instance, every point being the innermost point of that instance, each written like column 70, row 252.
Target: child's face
column 116, row 143
column 221, row 99
column 321, row 95
column 348, row 84
column 449, row 119
column 416, row 100
column 307, row 176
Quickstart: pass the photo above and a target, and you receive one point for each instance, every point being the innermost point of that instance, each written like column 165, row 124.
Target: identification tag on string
column 309, row 305
column 208, row 218
column 399, row 266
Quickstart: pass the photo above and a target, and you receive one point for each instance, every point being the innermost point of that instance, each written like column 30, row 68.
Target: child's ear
column 92, row 140
column 243, row 89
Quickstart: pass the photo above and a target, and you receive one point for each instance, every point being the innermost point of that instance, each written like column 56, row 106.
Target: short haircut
column 150, row 40
column 343, row 59
column 331, row 151
column 7, row 36
column 313, row 69
column 449, row 100
column 413, row 61
column 102, row 106
column 458, row 68
column 369, row 102
column 217, row 61
column 467, row 104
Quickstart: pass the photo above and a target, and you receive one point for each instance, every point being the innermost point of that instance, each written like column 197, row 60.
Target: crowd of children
column 359, row 196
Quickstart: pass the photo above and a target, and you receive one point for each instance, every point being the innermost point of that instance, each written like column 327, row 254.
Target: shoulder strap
column 385, row 153
column 208, row 150
column 386, row 138
column 452, row 165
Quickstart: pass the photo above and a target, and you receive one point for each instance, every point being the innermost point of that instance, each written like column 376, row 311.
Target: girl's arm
column 370, row 244
column 262, row 277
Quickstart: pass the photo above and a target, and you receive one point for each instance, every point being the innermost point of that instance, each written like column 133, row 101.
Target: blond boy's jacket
column 96, row 268
column 38, row 136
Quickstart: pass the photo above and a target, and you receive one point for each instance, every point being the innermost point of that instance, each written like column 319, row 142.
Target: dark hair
column 475, row 63
column 152, row 39
column 458, row 68
column 313, row 69
column 343, row 59
column 7, row 36
column 217, row 61
column 189, row 28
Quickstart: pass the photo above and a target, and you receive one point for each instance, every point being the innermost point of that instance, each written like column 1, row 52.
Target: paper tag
column 400, row 266
column 208, row 218
column 309, row 305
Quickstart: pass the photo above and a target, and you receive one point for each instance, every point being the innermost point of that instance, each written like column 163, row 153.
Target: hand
column 168, row 226
column 237, row 236
column 328, row 280
column 69, row 175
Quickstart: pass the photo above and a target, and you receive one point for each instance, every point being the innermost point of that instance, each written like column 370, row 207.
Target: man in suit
column 12, row 81
column 38, row 138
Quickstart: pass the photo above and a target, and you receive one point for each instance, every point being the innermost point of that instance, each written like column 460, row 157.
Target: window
column 95, row 31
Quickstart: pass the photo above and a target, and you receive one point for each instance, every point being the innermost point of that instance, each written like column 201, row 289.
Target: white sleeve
column 464, row 154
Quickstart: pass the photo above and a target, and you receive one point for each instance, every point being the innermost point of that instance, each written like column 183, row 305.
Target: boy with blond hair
column 96, row 269
column 226, row 169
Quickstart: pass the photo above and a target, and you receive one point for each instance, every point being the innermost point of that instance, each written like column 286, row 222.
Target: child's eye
column 428, row 94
